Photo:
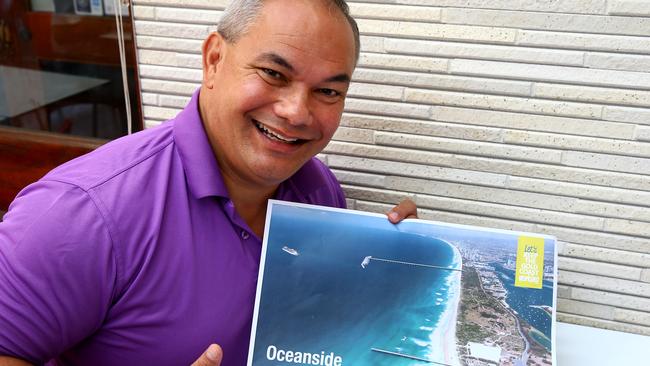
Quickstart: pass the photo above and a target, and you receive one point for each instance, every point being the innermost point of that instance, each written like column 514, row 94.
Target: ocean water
column 322, row 300
column 520, row 300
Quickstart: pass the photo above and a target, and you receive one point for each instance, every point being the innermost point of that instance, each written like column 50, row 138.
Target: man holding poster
column 146, row 251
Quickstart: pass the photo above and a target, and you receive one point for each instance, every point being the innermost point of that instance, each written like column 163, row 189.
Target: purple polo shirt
column 135, row 255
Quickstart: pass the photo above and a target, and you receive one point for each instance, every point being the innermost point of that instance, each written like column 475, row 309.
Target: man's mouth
column 274, row 135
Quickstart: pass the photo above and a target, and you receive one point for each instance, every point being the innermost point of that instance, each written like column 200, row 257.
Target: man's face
column 273, row 98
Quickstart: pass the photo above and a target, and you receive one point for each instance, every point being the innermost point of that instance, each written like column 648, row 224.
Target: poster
column 342, row 287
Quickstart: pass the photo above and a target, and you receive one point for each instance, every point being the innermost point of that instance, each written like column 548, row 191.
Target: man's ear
column 213, row 49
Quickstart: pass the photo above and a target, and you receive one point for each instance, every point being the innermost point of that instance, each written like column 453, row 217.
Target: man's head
column 274, row 86
column 241, row 13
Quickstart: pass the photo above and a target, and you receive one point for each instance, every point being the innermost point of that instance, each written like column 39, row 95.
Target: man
column 146, row 251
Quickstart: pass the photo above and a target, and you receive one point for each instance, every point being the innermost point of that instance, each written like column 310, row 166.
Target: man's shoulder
column 117, row 157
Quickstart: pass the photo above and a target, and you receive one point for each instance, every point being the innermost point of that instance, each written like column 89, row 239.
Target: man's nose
column 294, row 107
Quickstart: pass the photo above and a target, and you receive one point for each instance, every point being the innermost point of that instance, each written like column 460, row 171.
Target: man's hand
column 211, row 357
column 404, row 210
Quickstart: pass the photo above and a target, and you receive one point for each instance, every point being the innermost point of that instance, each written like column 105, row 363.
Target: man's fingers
column 211, row 357
column 404, row 210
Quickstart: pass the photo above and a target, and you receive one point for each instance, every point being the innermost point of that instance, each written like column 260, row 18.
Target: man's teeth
column 273, row 135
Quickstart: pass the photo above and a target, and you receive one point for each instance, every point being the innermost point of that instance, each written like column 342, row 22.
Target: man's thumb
column 211, row 357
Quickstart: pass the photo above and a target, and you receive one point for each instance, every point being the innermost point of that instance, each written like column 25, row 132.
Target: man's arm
column 10, row 361
column 57, row 273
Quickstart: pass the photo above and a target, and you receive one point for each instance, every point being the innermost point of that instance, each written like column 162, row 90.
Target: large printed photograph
column 342, row 287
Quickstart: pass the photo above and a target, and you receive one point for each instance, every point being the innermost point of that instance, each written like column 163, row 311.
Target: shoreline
column 444, row 336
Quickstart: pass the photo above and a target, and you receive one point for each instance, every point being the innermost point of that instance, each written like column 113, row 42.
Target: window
column 68, row 83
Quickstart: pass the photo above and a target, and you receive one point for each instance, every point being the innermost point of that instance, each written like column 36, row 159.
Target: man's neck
column 250, row 202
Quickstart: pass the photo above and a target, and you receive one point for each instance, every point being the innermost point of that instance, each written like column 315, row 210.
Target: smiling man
column 272, row 98
column 146, row 251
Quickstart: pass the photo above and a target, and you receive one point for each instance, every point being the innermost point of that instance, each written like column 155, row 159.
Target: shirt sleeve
column 57, row 271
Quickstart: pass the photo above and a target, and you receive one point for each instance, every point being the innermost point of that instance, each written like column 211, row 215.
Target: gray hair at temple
column 239, row 14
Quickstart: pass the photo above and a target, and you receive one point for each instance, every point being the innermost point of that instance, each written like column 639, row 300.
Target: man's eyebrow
column 340, row 78
column 276, row 59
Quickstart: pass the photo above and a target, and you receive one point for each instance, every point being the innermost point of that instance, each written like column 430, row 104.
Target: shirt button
column 244, row 234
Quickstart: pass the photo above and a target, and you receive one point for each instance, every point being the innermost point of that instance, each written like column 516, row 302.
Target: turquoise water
column 541, row 339
column 322, row 300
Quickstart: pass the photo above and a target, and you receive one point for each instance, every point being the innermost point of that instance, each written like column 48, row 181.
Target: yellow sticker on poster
column 530, row 262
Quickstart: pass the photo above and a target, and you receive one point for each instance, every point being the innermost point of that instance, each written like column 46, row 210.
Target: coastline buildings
column 492, row 332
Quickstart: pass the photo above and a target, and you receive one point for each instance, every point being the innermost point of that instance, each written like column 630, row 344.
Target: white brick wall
column 517, row 114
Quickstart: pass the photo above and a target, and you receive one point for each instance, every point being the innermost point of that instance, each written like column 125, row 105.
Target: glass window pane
column 61, row 84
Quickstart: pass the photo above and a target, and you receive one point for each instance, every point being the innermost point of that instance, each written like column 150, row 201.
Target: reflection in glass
column 60, row 68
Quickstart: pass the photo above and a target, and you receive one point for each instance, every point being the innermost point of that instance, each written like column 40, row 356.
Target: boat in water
column 290, row 250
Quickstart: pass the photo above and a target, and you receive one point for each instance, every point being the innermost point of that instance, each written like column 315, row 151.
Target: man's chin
column 271, row 174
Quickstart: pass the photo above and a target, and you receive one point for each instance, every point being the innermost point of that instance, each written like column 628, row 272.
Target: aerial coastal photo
column 341, row 287
column 499, row 323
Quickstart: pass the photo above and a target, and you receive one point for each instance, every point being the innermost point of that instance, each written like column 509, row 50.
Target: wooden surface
column 25, row 156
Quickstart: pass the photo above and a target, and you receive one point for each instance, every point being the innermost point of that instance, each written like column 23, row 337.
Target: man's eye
column 329, row 92
column 272, row 73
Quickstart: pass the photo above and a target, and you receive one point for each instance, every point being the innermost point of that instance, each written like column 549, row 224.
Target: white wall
column 531, row 115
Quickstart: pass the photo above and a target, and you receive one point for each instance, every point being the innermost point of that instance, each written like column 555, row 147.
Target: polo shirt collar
column 301, row 184
column 201, row 168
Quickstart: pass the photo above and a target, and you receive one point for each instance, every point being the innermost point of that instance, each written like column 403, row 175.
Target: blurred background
column 68, row 83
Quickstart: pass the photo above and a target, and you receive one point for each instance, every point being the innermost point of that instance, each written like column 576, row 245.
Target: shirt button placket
column 245, row 235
